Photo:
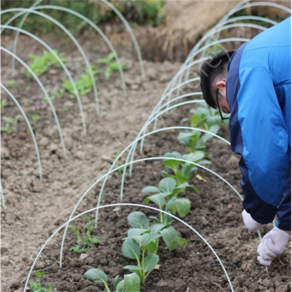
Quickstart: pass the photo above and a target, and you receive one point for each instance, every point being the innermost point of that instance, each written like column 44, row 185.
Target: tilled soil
column 35, row 209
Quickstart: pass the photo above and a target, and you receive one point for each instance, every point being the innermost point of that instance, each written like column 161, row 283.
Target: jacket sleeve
column 259, row 134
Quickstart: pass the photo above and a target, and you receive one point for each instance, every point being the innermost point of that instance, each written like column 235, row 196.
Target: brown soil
column 35, row 209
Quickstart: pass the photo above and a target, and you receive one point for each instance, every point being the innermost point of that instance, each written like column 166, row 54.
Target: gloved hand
column 272, row 245
column 250, row 224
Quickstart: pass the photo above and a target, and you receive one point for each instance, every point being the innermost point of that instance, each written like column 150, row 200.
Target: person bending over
column 253, row 84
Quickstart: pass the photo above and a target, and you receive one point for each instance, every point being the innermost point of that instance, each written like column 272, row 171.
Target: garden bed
column 35, row 209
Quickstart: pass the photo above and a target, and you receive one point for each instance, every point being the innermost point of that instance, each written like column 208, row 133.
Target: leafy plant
column 166, row 199
column 84, row 84
column 10, row 125
column 3, row 103
column 35, row 117
column 11, row 83
column 41, row 64
column 204, row 118
column 58, row 94
column 110, row 65
column 131, row 282
column 182, row 171
column 142, row 242
column 85, row 242
column 37, row 287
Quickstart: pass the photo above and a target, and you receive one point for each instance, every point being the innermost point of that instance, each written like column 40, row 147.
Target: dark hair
column 212, row 69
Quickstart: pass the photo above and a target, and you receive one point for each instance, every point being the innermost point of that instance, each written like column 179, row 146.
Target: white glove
column 272, row 245
column 249, row 222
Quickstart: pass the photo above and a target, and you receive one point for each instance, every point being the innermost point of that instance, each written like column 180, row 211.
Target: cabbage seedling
column 166, row 196
column 41, row 64
column 84, row 84
column 111, row 66
column 37, row 287
column 10, row 124
column 3, row 103
column 182, row 171
column 131, row 282
column 205, row 118
column 142, row 243
column 84, row 243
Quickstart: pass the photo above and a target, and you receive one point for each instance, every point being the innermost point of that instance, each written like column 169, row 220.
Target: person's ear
column 221, row 84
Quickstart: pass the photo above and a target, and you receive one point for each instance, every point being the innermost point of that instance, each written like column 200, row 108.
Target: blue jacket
column 258, row 90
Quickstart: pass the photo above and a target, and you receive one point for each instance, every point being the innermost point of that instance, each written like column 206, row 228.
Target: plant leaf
column 120, row 287
column 96, row 275
column 133, row 268
column 206, row 137
column 130, row 249
column 170, row 237
column 132, row 282
column 183, row 206
column 156, row 227
column 135, row 231
column 150, row 262
column 167, row 185
column 138, row 220
column 150, row 189
column 116, row 282
column 182, row 242
column 158, row 199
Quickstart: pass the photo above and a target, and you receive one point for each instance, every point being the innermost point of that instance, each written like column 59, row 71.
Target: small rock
column 266, row 282
column 164, row 78
column 6, row 173
column 232, row 163
column 134, row 87
column 68, row 104
column 53, row 148
column 5, row 152
column 76, row 277
column 283, row 288
column 151, row 73
column 83, row 256
column 4, row 248
column 80, row 155
column 53, row 71
column 44, row 141
column 14, row 284
column 39, row 265
column 164, row 286
column 68, row 143
column 179, row 285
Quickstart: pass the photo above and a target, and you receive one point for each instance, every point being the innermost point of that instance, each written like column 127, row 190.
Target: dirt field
column 36, row 208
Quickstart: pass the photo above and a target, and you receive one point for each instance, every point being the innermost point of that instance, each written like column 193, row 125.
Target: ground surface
column 35, row 209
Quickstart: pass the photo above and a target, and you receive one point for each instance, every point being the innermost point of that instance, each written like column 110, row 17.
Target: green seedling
column 205, row 118
column 11, row 83
column 10, row 125
column 119, row 171
column 131, row 282
column 41, row 64
column 84, row 84
column 110, row 65
column 27, row 88
column 58, row 94
column 142, row 242
column 37, row 287
column 165, row 197
column 3, row 103
column 85, row 242
column 35, row 117
column 182, row 171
